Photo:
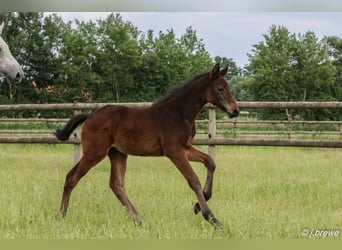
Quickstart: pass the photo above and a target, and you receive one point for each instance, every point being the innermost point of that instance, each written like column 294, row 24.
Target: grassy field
column 259, row 193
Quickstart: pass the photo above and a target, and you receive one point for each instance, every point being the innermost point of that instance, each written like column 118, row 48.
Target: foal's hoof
column 60, row 215
column 215, row 223
column 137, row 221
column 197, row 208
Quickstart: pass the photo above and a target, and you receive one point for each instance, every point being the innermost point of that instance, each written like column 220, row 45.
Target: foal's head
column 218, row 92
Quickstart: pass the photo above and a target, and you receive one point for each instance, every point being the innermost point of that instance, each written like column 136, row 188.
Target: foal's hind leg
column 198, row 156
column 74, row 176
column 118, row 162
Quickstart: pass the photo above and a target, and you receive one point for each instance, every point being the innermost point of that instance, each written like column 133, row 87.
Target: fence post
column 289, row 123
column 212, row 132
column 77, row 147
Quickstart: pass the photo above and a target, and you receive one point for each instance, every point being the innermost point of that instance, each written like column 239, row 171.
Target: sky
column 227, row 34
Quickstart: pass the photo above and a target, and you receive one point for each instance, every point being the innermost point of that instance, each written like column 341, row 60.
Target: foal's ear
column 224, row 71
column 1, row 28
column 214, row 72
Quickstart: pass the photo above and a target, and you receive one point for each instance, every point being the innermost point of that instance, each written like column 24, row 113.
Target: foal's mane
column 173, row 91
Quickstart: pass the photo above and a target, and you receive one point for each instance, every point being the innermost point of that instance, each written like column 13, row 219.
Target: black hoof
column 197, row 208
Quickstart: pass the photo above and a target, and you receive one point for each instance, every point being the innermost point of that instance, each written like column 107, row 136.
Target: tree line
column 111, row 60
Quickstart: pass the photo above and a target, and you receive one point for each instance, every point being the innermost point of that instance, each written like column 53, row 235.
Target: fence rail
column 209, row 142
column 242, row 105
column 212, row 139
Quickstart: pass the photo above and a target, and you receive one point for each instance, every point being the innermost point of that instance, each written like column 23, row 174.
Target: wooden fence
column 211, row 135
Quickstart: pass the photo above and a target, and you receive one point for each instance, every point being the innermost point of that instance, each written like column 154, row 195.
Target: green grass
column 259, row 192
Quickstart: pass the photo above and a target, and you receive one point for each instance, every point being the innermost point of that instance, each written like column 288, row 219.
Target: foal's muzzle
column 235, row 113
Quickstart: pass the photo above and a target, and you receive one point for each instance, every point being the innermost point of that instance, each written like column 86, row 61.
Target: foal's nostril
column 235, row 113
column 17, row 76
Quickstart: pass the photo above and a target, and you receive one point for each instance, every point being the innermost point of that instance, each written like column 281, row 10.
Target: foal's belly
column 139, row 145
column 137, row 132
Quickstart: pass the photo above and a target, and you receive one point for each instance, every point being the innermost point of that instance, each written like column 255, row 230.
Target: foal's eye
column 220, row 88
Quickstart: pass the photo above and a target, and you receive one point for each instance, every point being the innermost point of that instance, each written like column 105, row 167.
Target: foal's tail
column 74, row 122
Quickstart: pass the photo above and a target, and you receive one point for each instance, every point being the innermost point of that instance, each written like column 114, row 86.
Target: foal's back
column 136, row 131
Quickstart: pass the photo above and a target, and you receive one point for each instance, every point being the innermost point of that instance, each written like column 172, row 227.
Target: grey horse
column 9, row 67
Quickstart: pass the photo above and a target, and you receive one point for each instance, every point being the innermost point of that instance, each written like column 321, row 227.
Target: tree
column 168, row 61
column 313, row 69
column 290, row 67
column 79, row 56
column 335, row 51
column 197, row 59
column 270, row 66
column 118, row 58
column 160, row 68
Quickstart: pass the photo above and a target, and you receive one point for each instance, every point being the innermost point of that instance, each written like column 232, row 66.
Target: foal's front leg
column 198, row 156
column 180, row 159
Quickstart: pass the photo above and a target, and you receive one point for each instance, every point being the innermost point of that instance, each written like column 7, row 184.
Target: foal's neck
column 191, row 101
